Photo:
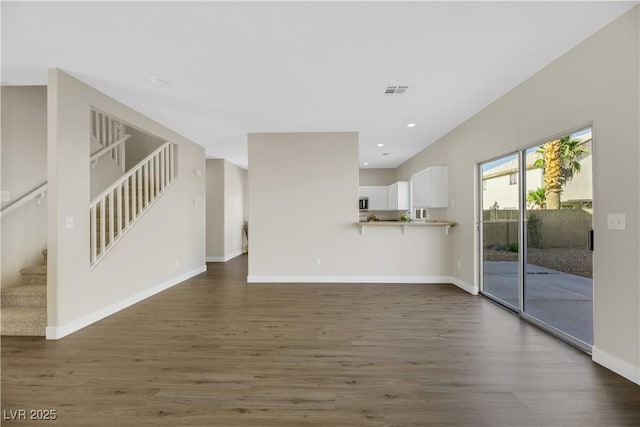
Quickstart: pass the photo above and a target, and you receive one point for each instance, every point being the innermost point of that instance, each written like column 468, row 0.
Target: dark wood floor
column 215, row 351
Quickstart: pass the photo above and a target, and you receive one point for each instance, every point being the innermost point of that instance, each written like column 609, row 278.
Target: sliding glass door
column 536, row 235
column 558, row 278
column 500, row 235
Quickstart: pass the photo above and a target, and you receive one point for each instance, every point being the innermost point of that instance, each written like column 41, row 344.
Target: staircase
column 111, row 214
column 116, row 209
column 24, row 307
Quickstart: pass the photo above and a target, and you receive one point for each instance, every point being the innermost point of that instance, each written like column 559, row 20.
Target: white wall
column 104, row 172
column 595, row 82
column 166, row 245
column 24, row 167
column 215, row 209
column 302, row 192
column 139, row 146
column 377, row 176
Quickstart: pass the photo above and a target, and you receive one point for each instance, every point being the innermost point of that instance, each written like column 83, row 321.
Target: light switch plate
column 616, row 221
column 69, row 222
column 5, row 196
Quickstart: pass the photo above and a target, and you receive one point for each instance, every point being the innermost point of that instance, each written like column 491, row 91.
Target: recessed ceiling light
column 380, row 145
column 385, row 154
column 365, row 164
column 411, row 125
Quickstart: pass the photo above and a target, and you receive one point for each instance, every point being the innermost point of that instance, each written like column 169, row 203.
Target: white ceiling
column 234, row 68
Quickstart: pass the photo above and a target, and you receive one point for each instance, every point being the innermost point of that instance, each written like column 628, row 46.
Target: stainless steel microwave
column 363, row 203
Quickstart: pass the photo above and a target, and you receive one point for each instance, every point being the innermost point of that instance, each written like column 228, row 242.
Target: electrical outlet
column 69, row 222
column 459, row 264
column 616, row 221
column 5, row 196
column 318, row 261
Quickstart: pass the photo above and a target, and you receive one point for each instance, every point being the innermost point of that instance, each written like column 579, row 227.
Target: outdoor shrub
column 513, row 247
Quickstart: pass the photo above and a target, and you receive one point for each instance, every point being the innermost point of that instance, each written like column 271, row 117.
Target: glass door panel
column 558, row 280
column 499, row 237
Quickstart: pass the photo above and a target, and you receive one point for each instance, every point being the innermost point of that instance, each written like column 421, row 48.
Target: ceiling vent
column 395, row 90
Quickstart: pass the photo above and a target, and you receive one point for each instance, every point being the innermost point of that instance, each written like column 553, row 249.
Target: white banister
column 37, row 193
column 146, row 183
column 154, row 176
column 127, row 212
column 92, row 237
column 161, row 160
column 116, row 145
column 120, row 205
column 102, row 234
column 139, row 190
column 111, row 216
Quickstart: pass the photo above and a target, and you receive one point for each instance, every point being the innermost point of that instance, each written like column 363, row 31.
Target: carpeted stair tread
column 25, row 321
column 34, row 275
column 24, row 307
column 33, row 295
column 38, row 269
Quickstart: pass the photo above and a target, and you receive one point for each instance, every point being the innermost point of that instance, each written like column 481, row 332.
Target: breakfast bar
column 405, row 224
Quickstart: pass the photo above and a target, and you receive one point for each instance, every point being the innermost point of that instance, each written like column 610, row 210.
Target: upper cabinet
column 398, row 196
column 394, row 197
column 378, row 197
column 429, row 188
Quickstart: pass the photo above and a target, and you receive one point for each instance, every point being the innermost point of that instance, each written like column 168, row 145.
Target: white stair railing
column 37, row 193
column 117, row 208
column 108, row 131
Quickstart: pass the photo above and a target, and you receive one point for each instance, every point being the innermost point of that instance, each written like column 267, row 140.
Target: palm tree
column 552, row 170
column 560, row 162
column 572, row 151
column 537, row 198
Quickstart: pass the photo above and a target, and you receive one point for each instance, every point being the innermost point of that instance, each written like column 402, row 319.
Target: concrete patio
column 564, row 301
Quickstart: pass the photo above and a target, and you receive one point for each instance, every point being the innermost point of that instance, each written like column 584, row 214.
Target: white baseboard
column 224, row 258
column 472, row 289
column 345, row 279
column 363, row 279
column 57, row 332
column 620, row 367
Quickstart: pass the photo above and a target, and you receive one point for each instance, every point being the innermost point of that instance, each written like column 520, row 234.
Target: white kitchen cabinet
column 398, row 196
column 378, row 197
column 429, row 188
